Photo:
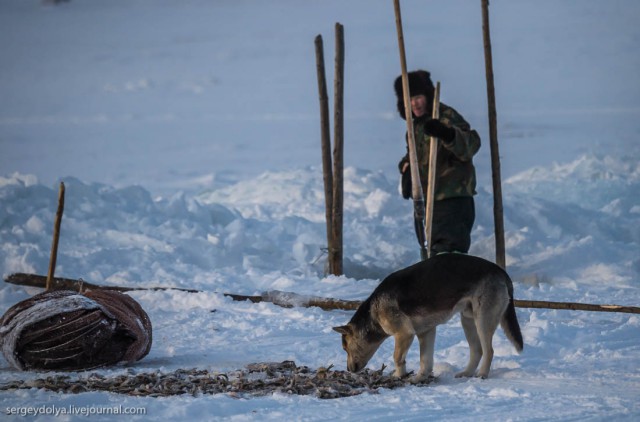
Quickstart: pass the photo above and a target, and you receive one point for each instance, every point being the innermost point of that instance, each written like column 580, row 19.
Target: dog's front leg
column 403, row 342
column 427, row 345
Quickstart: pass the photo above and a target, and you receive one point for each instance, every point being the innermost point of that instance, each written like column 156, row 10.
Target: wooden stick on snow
column 289, row 299
column 56, row 237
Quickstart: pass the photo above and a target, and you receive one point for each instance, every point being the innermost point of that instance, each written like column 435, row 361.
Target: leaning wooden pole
column 431, row 181
column 56, row 237
column 498, row 216
column 325, row 138
column 416, row 186
column 335, row 254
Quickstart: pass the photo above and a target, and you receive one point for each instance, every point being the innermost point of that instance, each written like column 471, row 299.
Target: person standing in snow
column 453, row 208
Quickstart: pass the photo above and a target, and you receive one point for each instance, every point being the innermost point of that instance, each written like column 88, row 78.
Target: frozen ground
column 187, row 135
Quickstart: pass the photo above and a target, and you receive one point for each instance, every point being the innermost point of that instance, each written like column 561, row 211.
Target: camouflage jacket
column 455, row 173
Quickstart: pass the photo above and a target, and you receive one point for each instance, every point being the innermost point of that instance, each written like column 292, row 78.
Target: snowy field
column 187, row 135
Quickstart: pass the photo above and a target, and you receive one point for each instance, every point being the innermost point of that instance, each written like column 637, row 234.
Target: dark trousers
column 453, row 220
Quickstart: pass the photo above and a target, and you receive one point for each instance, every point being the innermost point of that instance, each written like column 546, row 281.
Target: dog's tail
column 509, row 324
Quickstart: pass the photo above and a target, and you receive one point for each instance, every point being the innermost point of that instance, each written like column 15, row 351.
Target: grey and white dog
column 414, row 301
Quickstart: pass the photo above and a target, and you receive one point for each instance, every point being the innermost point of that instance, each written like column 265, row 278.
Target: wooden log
column 325, row 140
column 292, row 300
column 58, row 283
column 56, row 237
column 335, row 254
column 289, row 299
column 573, row 306
column 498, row 217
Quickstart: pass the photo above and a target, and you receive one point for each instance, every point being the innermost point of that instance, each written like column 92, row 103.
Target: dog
column 415, row 300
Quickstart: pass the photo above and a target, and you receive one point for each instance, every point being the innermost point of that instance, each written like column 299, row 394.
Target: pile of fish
column 257, row 379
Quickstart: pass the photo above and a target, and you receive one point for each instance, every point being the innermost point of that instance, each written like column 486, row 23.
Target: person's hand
column 435, row 127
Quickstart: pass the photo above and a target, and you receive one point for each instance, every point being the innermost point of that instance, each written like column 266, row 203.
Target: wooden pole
column 416, row 186
column 290, row 299
column 573, row 306
column 433, row 159
column 335, row 255
column 493, row 139
column 56, row 237
column 325, row 138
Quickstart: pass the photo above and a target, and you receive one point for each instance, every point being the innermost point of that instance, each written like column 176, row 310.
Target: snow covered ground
column 187, row 136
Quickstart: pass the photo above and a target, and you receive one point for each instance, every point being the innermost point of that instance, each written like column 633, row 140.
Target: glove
column 405, row 183
column 435, row 127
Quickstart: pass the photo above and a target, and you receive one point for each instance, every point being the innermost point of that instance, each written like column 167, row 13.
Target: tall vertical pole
column 431, row 181
column 325, row 138
column 493, row 139
column 338, row 152
column 416, row 186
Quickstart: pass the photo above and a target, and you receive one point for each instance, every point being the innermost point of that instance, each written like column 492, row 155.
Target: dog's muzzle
column 354, row 367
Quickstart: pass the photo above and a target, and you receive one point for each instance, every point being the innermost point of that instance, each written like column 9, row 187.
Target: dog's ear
column 344, row 329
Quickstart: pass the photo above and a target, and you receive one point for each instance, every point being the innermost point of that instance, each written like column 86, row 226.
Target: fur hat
column 419, row 84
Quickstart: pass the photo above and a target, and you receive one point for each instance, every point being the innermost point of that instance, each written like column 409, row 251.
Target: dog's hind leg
column 402, row 343
column 475, row 346
column 486, row 326
column 427, row 346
